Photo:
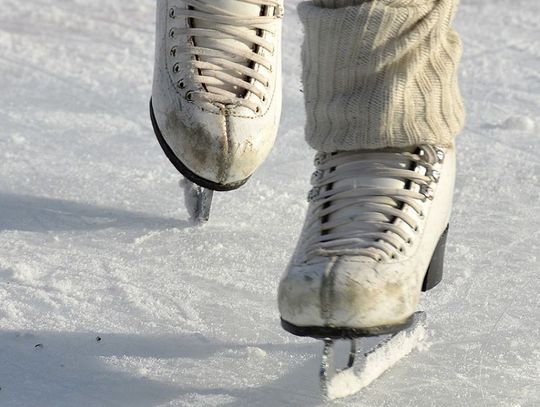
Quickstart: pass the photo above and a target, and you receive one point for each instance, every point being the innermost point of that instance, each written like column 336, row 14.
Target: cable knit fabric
column 380, row 73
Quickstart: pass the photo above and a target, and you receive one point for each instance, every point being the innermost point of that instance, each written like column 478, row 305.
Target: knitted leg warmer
column 380, row 73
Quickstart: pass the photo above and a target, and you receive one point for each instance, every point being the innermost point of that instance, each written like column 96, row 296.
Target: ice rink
column 109, row 296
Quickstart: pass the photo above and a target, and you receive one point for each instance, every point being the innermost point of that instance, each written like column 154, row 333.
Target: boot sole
column 330, row 332
column 185, row 171
column 432, row 278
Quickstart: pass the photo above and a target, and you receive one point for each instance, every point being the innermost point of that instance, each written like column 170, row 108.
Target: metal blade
column 389, row 349
column 198, row 201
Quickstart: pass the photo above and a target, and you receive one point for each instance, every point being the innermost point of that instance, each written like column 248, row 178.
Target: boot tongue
column 236, row 8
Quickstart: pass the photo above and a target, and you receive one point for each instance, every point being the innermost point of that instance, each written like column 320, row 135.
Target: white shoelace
column 226, row 26
column 358, row 197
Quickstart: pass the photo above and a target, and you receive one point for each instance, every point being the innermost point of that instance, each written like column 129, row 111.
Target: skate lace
column 367, row 220
column 226, row 26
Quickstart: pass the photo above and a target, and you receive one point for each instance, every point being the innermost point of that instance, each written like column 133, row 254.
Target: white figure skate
column 373, row 239
column 216, row 97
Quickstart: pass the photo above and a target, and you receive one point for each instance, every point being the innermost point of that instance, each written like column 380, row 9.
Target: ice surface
column 94, row 240
column 519, row 123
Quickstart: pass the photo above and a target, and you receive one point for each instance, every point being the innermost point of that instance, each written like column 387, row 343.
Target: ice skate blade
column 362, row 371
column 198, row 201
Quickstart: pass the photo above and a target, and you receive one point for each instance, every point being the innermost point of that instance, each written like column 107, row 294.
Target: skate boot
column 216, row 96
column 373, row 239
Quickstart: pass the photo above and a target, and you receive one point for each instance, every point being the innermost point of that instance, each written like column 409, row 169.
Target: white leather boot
column 216, row 97
column 373, row 239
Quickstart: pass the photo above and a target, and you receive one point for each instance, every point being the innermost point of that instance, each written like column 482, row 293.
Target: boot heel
column 435, row 270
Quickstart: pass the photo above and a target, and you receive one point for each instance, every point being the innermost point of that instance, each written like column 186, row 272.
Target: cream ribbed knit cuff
column 381, row 73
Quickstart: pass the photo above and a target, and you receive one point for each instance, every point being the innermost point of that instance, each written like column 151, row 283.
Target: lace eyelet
column 189, row 96
column 176, row 68
column 173, row 51
column 401, row 249
column 316, row 176
column 279, row 12
column 319, row 158
column 440, row 154
column 181, row 84
column 313, row 194
column 379, row 260
column 258, row 110
column 409, row 241
column 172, row 33
column 171, row 13
column 393, row 256
column 427, row 191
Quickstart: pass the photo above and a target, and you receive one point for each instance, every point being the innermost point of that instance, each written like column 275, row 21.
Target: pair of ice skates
column 376, row 226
